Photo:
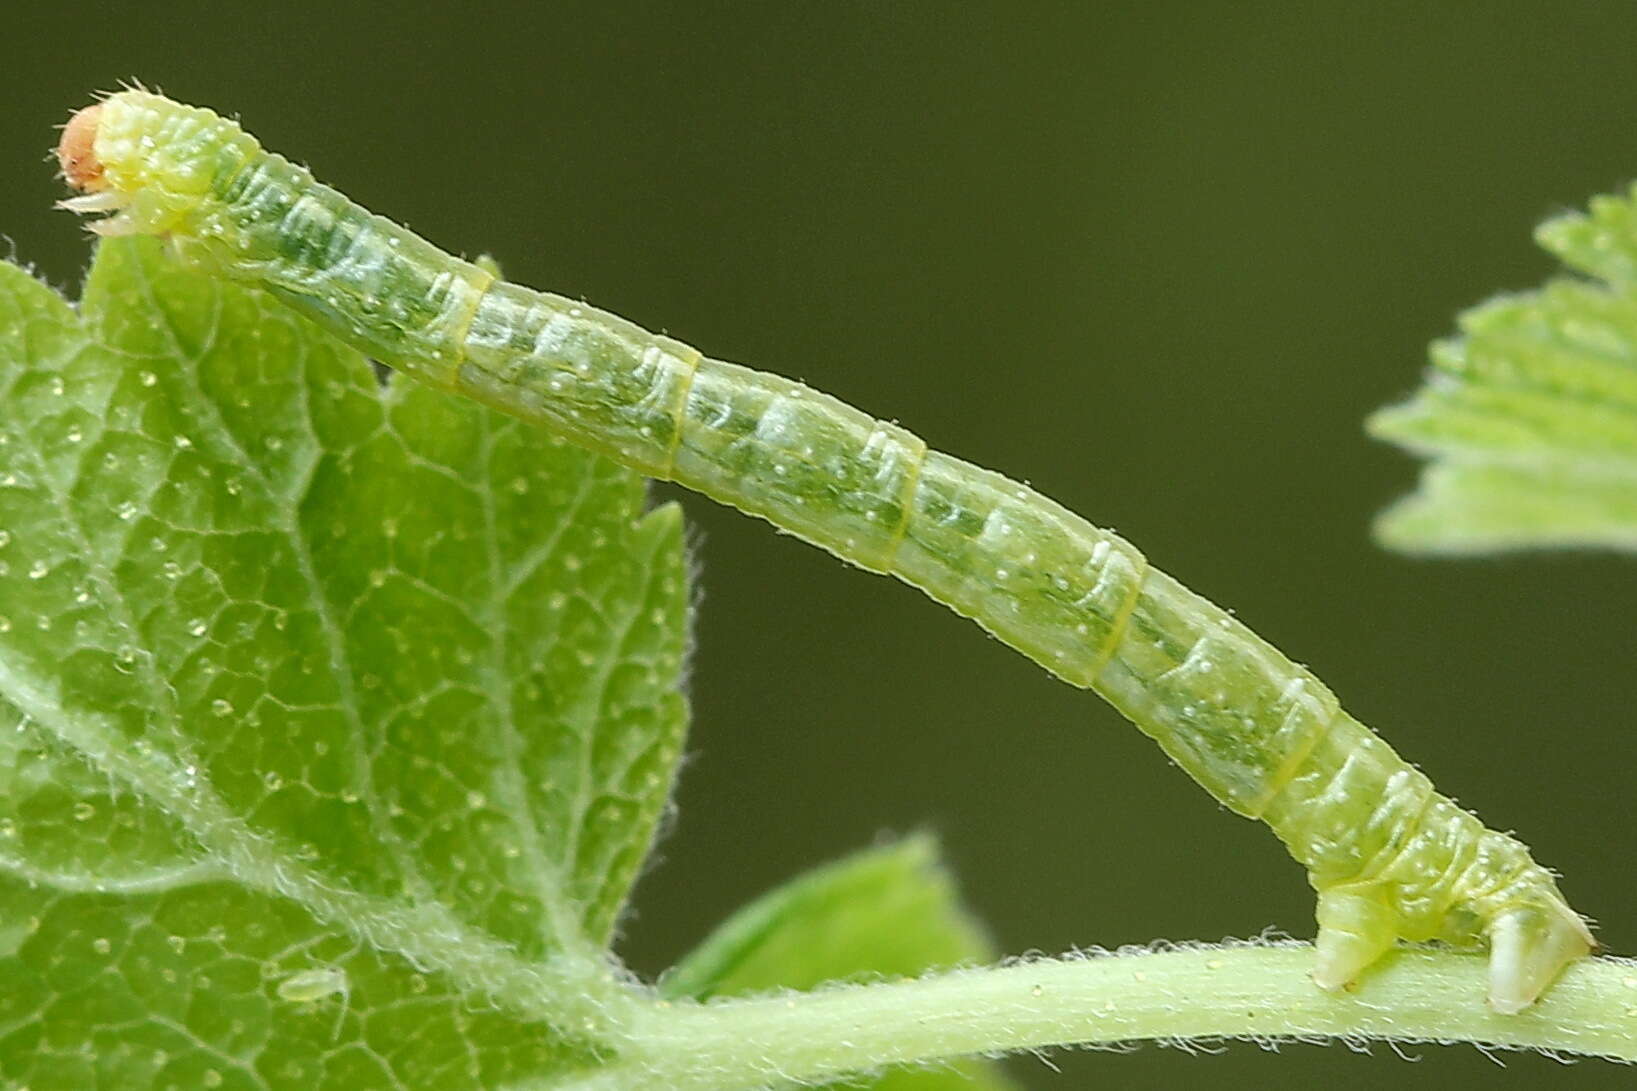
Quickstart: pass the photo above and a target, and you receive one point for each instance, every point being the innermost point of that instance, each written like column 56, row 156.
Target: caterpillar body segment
column 1389, row 857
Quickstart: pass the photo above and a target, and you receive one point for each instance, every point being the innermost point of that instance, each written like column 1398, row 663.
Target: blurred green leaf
column 887, row 912
column 333, row 716
column 1530, row 414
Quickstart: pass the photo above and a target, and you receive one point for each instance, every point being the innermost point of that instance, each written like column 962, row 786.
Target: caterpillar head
column 151, row 161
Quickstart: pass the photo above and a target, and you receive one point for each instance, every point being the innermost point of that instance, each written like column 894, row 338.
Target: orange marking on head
column 77, row 153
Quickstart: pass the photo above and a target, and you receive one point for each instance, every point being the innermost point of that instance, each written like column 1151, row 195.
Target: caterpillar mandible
column 1389, row 857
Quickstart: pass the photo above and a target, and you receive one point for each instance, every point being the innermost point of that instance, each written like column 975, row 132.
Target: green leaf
column 887, row 912
column 1530, row 414
column 335, row 718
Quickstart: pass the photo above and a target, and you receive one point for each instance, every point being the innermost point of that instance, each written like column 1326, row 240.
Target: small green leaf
column 1530, row 414
column 335, row 718
column 886, row 912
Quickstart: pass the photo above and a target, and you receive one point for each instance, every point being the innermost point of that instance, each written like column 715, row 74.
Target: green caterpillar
column 1390, row 858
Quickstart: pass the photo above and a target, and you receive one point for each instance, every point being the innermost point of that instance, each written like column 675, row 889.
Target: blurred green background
column 1158, row 258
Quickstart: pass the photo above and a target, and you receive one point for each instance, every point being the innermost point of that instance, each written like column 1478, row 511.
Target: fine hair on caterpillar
column 1390, row 858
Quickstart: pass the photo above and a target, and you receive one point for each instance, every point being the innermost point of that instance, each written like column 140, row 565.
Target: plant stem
column 1255, row 991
